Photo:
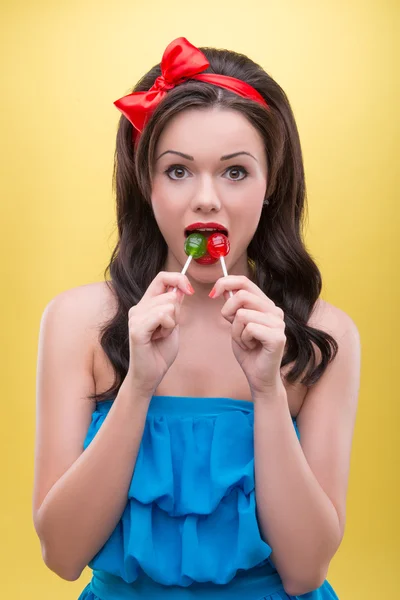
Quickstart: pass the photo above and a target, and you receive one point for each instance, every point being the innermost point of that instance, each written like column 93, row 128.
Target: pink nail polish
column 212, row 293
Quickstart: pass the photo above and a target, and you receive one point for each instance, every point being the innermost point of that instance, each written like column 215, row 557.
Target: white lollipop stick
column 185, row 268
column 225, row 272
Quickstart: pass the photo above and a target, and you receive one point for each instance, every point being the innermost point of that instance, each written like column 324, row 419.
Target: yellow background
column 63, row 65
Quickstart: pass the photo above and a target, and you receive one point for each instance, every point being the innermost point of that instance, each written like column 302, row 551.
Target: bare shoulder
column 332, row 320
column 98, row 296
column 92, row 304
column 78, row 314
column 336, row 322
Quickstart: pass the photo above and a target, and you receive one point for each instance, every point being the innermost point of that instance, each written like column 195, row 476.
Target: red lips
column 210, row 225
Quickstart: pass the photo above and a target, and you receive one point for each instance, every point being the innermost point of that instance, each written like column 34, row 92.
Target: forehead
column 198, row 131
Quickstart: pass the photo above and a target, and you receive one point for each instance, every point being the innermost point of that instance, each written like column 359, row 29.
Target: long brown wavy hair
column 282, row 267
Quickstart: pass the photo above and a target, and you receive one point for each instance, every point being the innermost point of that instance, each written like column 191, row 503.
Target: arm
column 301, row 489
column 79, row 496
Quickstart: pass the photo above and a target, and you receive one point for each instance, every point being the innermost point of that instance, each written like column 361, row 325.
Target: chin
column 205, row 273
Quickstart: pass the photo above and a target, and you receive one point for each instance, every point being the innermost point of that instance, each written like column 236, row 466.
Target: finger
column 248, row 300
column 177, row 299
column 165, row 328
column 269, row 337
column 236, row 282
column 164, row 280
column 243, row 317
column 245, row 299
column 236, row 332
column 240, row 282
column 142, row 329
column 178, row 304
column 172, row 299
column 169, row 302
column 164, row 299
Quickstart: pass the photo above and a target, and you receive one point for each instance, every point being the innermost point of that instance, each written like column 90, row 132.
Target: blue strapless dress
column 189, row 529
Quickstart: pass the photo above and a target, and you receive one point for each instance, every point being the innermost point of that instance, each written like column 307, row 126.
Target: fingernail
column 212, row 293
column 190, row 288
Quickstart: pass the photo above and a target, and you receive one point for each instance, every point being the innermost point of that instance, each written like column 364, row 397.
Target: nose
column 205, row 197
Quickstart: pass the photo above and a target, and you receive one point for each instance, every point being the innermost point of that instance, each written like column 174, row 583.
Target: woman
column 194, row 443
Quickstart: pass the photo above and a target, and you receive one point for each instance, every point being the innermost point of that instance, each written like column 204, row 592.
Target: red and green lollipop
column 197, row 246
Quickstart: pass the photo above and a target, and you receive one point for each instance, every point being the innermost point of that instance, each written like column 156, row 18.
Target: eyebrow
column 225, row 157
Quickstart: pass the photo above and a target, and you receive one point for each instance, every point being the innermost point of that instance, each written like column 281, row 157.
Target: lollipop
column 218, row 246
column 195, row 247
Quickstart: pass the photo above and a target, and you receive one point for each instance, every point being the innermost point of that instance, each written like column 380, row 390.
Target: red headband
column 181, row 61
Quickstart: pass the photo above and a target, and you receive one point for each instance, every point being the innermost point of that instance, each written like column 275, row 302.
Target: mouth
column 206, row 231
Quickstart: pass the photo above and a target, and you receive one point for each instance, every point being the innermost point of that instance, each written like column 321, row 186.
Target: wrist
column 271, row 394
column 135, row 391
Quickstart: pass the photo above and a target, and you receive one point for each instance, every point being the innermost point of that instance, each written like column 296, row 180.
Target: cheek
column 166, row 207
column 249, row 228
column 250, row 191
column 248, row 215
column 167, row 192
column 247, row 199
column 158, row 203
column 156, row 189
column 160, row 196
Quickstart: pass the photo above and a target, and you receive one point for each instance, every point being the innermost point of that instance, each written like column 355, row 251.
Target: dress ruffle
column 325, row 592
column 191, row 514
column 87, row 594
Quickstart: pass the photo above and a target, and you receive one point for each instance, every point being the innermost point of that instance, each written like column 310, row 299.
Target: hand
column 154, row 331
column 258, row 332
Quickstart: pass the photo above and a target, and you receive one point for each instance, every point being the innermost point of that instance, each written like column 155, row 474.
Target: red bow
column 181, row 61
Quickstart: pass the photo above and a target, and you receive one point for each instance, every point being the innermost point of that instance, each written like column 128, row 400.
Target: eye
column 176, row 172
column 236, row 173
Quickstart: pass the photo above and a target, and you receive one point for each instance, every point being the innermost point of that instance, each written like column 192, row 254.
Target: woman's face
column 210, row 166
